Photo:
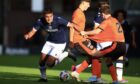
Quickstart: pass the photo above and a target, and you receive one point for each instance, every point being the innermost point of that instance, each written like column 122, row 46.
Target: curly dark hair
column 115, row 14
column 86, row 0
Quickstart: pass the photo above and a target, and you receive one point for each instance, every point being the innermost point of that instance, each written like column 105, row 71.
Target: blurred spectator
column 129, row 33
column 129, row 30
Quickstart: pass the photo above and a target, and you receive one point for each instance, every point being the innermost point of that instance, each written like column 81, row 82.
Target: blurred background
column 18, row 16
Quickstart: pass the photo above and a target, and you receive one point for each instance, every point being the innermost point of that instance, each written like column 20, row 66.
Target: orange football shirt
column 79, row 19
column 111, row 31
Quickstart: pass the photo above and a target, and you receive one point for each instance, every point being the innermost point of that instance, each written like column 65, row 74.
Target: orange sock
column 82, row 67
column 112, row 71
column 96, row 68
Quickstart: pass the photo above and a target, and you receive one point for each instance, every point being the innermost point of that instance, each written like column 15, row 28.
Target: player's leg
column 94, row 53
column 113, row 56
column 96, row 63
column 88, row 51
column 71, row 55
column 50, row 62
column 112, row 70
column 97, row 53
column 103, row 49
column 79, row 51
column 80, row 68
column 99, row 63
column 42, row 67
column 119, row 68
column 42, row 62
column 74, row 67
column 96, row 71
column 85, row 64
column 126, row 64
column 75, row 52
column 58, row 52
column 62, row 56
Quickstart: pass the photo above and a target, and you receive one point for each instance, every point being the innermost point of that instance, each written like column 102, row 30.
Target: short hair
column 48, row 11
column 105, row 9
column 86, row 1
column 103, row 2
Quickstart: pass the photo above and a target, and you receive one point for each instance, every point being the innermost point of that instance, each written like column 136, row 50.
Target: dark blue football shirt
column 98, row 18
column 56, row 30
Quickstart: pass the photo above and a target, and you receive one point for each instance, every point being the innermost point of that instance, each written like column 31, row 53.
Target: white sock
column 43, row 72
column 61, row 57
column 89, row 65
column 119, row 70
column 78, row 66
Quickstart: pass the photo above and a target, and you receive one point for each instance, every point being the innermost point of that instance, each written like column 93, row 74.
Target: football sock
column 82, row 67
column 96, row 68
column 119, row 69
column 42, row 67
column 112, row 71
column 43, row 72
column 61, row 57
column 77, row 66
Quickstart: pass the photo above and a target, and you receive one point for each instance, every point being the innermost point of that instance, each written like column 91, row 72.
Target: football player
column 110, row 43
column 52, row 52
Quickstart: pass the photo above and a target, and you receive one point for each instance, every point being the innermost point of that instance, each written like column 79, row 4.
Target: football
column 64, row 75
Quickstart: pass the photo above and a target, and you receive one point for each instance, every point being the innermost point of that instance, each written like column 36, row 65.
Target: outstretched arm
column 93, row 32
column 30, row 34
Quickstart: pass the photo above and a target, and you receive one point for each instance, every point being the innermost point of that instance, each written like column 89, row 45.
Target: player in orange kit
column 79, row 19
column 110, row 43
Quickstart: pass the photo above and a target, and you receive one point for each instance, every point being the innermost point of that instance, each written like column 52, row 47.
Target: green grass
column 24, row 70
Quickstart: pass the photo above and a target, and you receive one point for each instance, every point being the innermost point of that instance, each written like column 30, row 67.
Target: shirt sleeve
column 62, row 21
column 37, row 25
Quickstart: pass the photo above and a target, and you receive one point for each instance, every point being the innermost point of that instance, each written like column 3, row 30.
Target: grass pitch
column 24, row 70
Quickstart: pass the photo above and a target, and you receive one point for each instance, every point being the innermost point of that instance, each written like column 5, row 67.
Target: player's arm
column 30, row 34
column 35, row 27
column 93, row 32
column 98, row 30
column 66, row 23
column 71, row 34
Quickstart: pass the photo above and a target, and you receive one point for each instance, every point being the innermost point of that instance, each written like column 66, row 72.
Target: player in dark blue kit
column 53, row 50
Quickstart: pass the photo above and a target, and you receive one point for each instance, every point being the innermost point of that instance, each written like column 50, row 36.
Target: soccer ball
column 64, row 75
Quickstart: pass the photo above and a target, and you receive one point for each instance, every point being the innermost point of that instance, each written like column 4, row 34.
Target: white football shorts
column 103, row 45
column 53, row 49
